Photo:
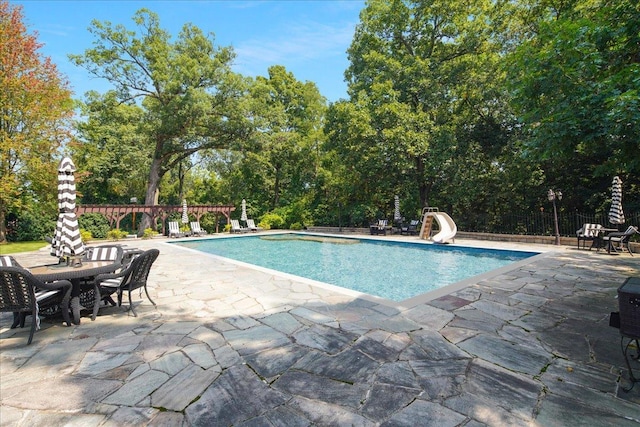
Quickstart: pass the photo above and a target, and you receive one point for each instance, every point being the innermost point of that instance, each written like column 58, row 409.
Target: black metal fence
column 539, row 224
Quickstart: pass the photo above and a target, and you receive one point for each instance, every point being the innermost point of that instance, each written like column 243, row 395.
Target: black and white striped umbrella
column 185, row 212
column 396, row 213
column 66, row 238
column 616, row 215
column 243, row 214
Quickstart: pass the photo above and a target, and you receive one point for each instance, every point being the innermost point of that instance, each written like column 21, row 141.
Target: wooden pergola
column 115, row 213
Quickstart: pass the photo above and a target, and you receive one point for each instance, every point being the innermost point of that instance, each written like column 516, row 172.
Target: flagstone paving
column 228, row 345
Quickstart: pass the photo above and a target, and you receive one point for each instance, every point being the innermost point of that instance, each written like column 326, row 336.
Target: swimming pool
column 393, row 270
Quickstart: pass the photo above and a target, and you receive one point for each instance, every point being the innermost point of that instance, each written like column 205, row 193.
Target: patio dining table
column 77, row 275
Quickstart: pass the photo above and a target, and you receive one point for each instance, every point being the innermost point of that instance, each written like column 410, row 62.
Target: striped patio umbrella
column 66, row 238
column 243, row 215
column 185, row 212
column 616, row 215
column 396, row 213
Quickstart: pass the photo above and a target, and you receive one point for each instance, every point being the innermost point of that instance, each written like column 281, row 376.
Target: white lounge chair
column 251, row 225
column 196, row 230
column 174, row 229
column 236, row 228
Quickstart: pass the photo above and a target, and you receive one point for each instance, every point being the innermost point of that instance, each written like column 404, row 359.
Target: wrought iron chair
column 622, row 240
column 134, row 276
column 22, row 293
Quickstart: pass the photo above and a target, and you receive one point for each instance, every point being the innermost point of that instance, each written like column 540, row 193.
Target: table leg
column 75, row 310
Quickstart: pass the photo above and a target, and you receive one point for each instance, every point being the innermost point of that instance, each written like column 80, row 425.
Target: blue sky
column 309, row 38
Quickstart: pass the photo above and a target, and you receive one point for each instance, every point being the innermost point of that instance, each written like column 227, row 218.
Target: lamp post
column 552, row 196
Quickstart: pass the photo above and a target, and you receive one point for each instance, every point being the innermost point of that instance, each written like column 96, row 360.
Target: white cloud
column 299, row 43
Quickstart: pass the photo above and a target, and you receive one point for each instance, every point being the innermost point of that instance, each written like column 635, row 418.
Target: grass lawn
column 15, row 247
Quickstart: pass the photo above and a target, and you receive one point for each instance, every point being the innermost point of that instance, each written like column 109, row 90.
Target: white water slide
column 447, row 229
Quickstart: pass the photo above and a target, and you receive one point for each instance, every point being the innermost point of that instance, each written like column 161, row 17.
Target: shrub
column 296, row 226
column 272, row 221
column 28, row 226
column 116, row 234
column 149, row 233
column 227, row 227
column 96, row 224
column 85, row 235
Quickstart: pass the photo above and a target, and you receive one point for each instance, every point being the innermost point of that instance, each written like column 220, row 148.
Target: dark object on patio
column 22, row 293
column 588, row 232
column 622, row 239
column 132, row 277
column 629, row 305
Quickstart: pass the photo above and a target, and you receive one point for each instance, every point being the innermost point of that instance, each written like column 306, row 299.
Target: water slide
column 447, row 228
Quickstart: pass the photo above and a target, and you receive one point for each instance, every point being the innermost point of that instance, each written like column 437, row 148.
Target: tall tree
column 113, row 157
column 282, row 158
column 192, row 101
column 576, row 86
column 414, row 63
column 35, row 113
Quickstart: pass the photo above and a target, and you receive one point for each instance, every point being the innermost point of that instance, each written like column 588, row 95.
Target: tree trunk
column 276, row 189
column 151, row 197
column 423, row 186
column 3, row 227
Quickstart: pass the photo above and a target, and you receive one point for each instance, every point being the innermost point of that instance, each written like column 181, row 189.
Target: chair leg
column 16, row 320
column 147, row 292
column 96, row 303
column 34, row 321
column 23, row 318
column 131, row 305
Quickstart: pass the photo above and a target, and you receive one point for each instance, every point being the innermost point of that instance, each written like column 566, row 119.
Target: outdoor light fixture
column 552, row 196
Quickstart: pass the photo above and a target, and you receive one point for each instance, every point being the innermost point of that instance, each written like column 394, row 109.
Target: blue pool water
column 392, row 270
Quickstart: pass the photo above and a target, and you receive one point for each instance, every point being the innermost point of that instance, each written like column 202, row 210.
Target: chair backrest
column 631, row 230
column 173, row 226
column 195, row 227
column 250, row 223
column 382, row 223
column 105, row 253
column 8, row 261
column 17, row 290
column 590, row 230
column 139, row 269
column 235, row 225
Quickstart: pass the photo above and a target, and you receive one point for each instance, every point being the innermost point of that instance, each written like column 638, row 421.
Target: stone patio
column 230, row 345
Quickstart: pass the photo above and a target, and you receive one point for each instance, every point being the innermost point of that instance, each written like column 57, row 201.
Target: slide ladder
column 427, row 223
column 447, row 227
column 425, row 230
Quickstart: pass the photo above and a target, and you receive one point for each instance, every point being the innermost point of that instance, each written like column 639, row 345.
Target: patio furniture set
column 382, row 227
column 613, row 240
column 68, row 288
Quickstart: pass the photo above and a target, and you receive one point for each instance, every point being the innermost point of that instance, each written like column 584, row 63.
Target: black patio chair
column 22, row 293
column 133, row 277
column 622, row 239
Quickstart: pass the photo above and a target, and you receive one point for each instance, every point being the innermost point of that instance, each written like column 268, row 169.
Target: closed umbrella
column 185, row 212
column 67, row 240
column 396, row 213
column 616, row 215
column 243, row 215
